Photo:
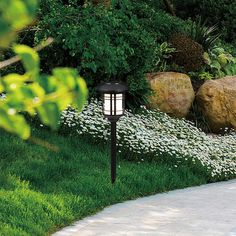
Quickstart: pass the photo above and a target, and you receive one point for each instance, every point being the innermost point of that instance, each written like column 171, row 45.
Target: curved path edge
column 207, row 210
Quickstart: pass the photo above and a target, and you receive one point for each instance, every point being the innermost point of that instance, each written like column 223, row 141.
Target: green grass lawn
column 42, row 189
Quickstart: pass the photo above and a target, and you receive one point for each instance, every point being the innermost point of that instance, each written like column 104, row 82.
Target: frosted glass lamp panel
column 113, row 104
column 119, row 104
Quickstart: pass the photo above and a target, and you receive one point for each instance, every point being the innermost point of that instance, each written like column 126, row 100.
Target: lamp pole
column 113, row 94
column 113, row 151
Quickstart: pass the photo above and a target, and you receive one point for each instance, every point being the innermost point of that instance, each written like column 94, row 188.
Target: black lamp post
column 113, row 95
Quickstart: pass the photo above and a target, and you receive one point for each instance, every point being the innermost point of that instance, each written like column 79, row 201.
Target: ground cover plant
column 154, row 135
column 44, row 187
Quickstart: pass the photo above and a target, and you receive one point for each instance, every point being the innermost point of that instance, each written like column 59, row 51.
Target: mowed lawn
column 48, row 185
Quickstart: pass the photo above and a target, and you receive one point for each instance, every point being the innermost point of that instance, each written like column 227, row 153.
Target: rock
column 217, row 100
column 172, row 93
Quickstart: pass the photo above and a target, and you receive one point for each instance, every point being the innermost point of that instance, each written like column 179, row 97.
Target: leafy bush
column 157, row 22
column 228, row 48
column 220, row 63
column 123, row 41
column 230, row 68
column 164, row 53
column 156, row 5
column 139, row 92
column 189, row 53
column 103, row 44
column 154, row 135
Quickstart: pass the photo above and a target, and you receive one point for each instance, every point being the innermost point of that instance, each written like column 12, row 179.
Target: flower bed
column 155, row 135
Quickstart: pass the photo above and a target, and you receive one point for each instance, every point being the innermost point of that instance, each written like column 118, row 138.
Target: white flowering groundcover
column 155, row 135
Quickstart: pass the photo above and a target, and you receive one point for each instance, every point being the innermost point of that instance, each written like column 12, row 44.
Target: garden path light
column 113, row 96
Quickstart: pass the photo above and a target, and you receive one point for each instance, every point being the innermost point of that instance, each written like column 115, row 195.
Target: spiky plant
column 205, row 35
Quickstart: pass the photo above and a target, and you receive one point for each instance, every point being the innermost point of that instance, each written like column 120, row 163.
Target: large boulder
column 172, row 93
column 217, row 100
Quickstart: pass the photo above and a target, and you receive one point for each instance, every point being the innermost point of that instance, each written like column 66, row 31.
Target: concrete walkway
column 208, row 210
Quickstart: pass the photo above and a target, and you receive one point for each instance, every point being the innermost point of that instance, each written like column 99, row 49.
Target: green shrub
column 121, row 42
column 228, row 47
column 164, row 53
column 157, row 22
column 156, row 5
column 189, row 53
column 101, row 43
column 137, row 90
column 220, row 63
column 221, row 12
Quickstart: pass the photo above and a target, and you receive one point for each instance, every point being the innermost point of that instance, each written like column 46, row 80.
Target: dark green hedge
column 221, row 12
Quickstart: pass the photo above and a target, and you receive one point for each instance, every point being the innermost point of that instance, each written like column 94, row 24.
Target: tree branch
column 15, row 59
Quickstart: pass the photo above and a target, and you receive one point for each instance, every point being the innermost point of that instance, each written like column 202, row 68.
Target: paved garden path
column 208, row 210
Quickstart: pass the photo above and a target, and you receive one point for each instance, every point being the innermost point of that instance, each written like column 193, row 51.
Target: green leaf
column 14, row 16
column 46, row 95
column 48, row 83
column 49, row 114
column 30, row 59
column 223, row 59
column 12, row 82
column 230, row 69
column 32, row 6
column 18, row 13
column 67, row 76
column 21, row 128
column 6, row 35
column 1, row 86
column 36, row 90
column 93, row 66
column 82, row 94
column 215, row 64
column 14, row 123
column 207, row 58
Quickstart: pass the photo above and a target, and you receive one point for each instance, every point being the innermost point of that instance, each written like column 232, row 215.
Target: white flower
column 155, row 134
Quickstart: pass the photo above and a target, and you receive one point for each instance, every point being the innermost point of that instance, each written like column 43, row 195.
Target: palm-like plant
column 205, row 35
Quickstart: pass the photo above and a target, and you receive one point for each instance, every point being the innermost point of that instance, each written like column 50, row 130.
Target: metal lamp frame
column 113, row 89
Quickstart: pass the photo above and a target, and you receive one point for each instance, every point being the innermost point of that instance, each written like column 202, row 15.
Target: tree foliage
column 31, row 92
